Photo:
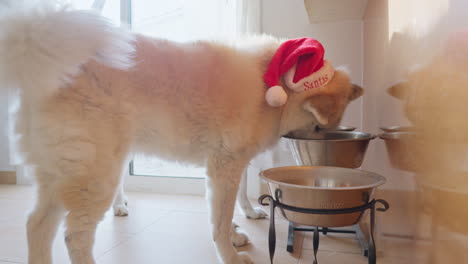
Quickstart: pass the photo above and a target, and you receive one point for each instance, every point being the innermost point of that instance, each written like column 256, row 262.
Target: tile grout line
column 302, row 250
column 118, row 244
column 132, row 235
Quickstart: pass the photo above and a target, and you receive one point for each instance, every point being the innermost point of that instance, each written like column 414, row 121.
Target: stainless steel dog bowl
column 401, row 151
column 321, row 187
column 424, row 151
column 335, row 148
column 316, row 129
column 397, row 128
column 342, row 128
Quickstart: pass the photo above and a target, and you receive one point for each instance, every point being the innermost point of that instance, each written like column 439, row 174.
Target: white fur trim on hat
column 317, row 79
column 276, row 96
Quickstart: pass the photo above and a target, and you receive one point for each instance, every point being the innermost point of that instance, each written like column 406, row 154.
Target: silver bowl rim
column 367, row 136
column 342, row 128
column 381, row 179
column 396, row 135
column 397, row 128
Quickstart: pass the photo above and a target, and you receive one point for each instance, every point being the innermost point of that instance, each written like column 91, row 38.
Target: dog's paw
column 256, row 213
column 240, row 258
column 239, row 238
column 245, row 258
column 120, row 210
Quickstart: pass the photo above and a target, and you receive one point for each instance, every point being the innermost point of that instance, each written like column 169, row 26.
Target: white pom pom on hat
column 276, row 96
column 302, row 64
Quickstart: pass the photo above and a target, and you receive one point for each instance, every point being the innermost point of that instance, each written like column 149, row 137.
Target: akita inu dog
column 90, row 94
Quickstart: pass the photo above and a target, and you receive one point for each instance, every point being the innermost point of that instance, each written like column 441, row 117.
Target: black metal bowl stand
column 355, row 229
column 368, row 249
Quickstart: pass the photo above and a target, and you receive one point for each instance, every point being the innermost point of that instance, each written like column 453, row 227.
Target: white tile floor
column 167, row 229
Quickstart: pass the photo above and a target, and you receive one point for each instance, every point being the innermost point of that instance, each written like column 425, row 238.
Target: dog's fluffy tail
column 41, row 48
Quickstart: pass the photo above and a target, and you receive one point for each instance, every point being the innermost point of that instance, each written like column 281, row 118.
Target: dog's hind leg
column 224, row 174
column 244, row 203
column 87, row 198
column 88, row 163
column 43, row 223
column 86, row 212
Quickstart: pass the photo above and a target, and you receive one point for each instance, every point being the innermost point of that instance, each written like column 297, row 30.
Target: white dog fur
column 90, row 94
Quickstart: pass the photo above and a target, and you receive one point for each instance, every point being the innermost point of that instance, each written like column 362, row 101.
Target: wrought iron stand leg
column 316, row 243
column 290, row 246
column 272, row 232
column 372, row 251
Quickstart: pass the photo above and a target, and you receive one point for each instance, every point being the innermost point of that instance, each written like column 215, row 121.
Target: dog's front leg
column 224, row 174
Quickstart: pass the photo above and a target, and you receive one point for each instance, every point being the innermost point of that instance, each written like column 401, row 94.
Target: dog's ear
column 398, row 90
column 321, row 106
column 356, row 92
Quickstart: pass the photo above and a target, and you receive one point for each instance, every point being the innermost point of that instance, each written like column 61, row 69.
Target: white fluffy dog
column 89, row 94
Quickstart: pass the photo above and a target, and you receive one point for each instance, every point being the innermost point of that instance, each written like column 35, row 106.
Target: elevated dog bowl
column 320, row 187
column 334, row 148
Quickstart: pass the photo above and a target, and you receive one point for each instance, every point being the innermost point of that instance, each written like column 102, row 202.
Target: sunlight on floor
column 169, row 229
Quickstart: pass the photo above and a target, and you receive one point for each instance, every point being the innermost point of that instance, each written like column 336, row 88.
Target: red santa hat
column 301, row 63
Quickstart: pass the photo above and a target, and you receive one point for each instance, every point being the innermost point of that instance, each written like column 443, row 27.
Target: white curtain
column 238, row 17
column 248, row 16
